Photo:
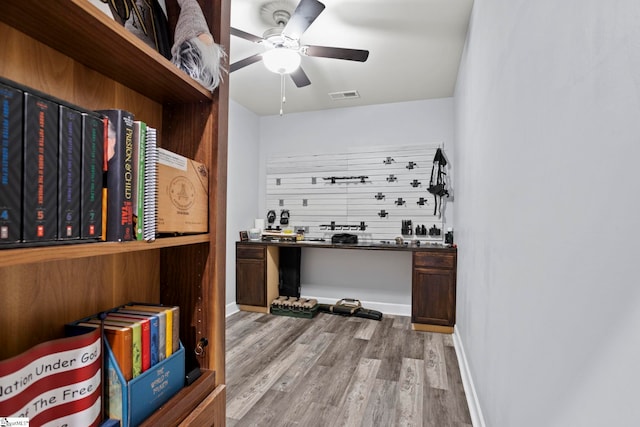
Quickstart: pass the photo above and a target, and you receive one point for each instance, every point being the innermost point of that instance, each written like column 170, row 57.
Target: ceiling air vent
column 347, row 94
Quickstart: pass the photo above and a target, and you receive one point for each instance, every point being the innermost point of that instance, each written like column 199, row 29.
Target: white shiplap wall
column 297, row 183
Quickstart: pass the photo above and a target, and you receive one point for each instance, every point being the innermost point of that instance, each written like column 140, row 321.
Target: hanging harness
column 437, row 185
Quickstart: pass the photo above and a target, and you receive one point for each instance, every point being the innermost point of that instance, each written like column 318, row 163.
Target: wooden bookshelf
column 72, row 51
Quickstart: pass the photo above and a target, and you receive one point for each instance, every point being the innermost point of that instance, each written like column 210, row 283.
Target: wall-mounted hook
column 379, row 196
column 400, row 202
column 333, row 179
column 392, row 178
column 415, row 183
column 412, row 165
column 388, row 161
column 383, row 213
column 422, row 201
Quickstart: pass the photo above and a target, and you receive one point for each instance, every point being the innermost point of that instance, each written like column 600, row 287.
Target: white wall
column 547, row 211
column 404, row 123
column 380, row 278
column 242, row 184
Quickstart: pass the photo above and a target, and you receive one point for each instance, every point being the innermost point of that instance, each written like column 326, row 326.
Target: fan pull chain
column 283, row 99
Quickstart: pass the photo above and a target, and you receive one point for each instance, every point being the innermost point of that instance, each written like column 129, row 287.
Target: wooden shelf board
column 103, row 45
column 185, row 401
column 29, row 255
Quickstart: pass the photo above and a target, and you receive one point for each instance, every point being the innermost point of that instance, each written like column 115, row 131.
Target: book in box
column 133, row 401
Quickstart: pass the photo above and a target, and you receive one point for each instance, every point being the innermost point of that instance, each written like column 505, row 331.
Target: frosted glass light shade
column 281, row 60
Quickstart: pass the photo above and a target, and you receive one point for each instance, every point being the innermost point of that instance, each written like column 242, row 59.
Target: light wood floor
column 340, row 371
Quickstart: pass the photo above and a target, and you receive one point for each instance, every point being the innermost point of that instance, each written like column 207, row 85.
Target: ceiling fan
column 283, row 43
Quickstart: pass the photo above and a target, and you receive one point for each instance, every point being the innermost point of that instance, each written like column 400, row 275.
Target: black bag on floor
column 350, row 307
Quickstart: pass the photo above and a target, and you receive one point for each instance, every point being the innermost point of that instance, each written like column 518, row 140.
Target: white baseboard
column 231, row 308
column 477, row 419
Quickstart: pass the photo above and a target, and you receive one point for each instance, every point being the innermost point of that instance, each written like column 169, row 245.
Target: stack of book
column 144, row 359
column 51, row 168
column 139, row 335
column 130, row 178
column 68, row 174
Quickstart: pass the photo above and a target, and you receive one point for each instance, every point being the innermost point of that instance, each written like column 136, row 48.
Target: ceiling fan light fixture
column 281, row 60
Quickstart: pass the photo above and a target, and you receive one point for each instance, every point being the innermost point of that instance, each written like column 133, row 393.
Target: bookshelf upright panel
column 72, row 51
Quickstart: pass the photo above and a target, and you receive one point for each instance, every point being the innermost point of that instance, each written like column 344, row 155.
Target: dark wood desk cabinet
column 256, row 276
column 433, row 290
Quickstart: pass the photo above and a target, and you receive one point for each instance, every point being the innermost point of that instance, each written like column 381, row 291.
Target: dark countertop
column 392, row 246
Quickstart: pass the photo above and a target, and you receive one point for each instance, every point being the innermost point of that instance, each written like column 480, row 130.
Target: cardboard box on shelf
column 183, row 189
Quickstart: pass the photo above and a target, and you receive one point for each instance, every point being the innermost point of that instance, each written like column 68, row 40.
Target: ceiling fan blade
column 247, row 36
column 244, row 62
column 337, row 53
column 300, row 78
column 304, row 15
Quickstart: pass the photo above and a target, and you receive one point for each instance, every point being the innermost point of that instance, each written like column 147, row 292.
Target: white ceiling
column 414, row 52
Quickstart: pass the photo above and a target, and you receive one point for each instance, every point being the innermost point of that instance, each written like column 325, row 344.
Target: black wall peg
column 421, row 201
column 434, row 231
column 379, row 196
column 415, row 183
column 412, row 165
column 392, row 178
column 407, row 227
column 400, row 202
column 383, row 213
column 388, row 161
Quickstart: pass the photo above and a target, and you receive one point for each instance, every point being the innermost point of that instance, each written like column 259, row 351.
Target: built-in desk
column 433, row 285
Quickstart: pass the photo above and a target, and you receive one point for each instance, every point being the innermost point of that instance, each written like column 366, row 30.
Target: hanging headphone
column 284, row 217
column 271, row 216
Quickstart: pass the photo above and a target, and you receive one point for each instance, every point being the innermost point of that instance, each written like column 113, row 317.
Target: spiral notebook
column 151, row 186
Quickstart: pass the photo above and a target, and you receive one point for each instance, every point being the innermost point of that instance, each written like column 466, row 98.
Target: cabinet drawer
column 248, row 252
column 431, row 259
